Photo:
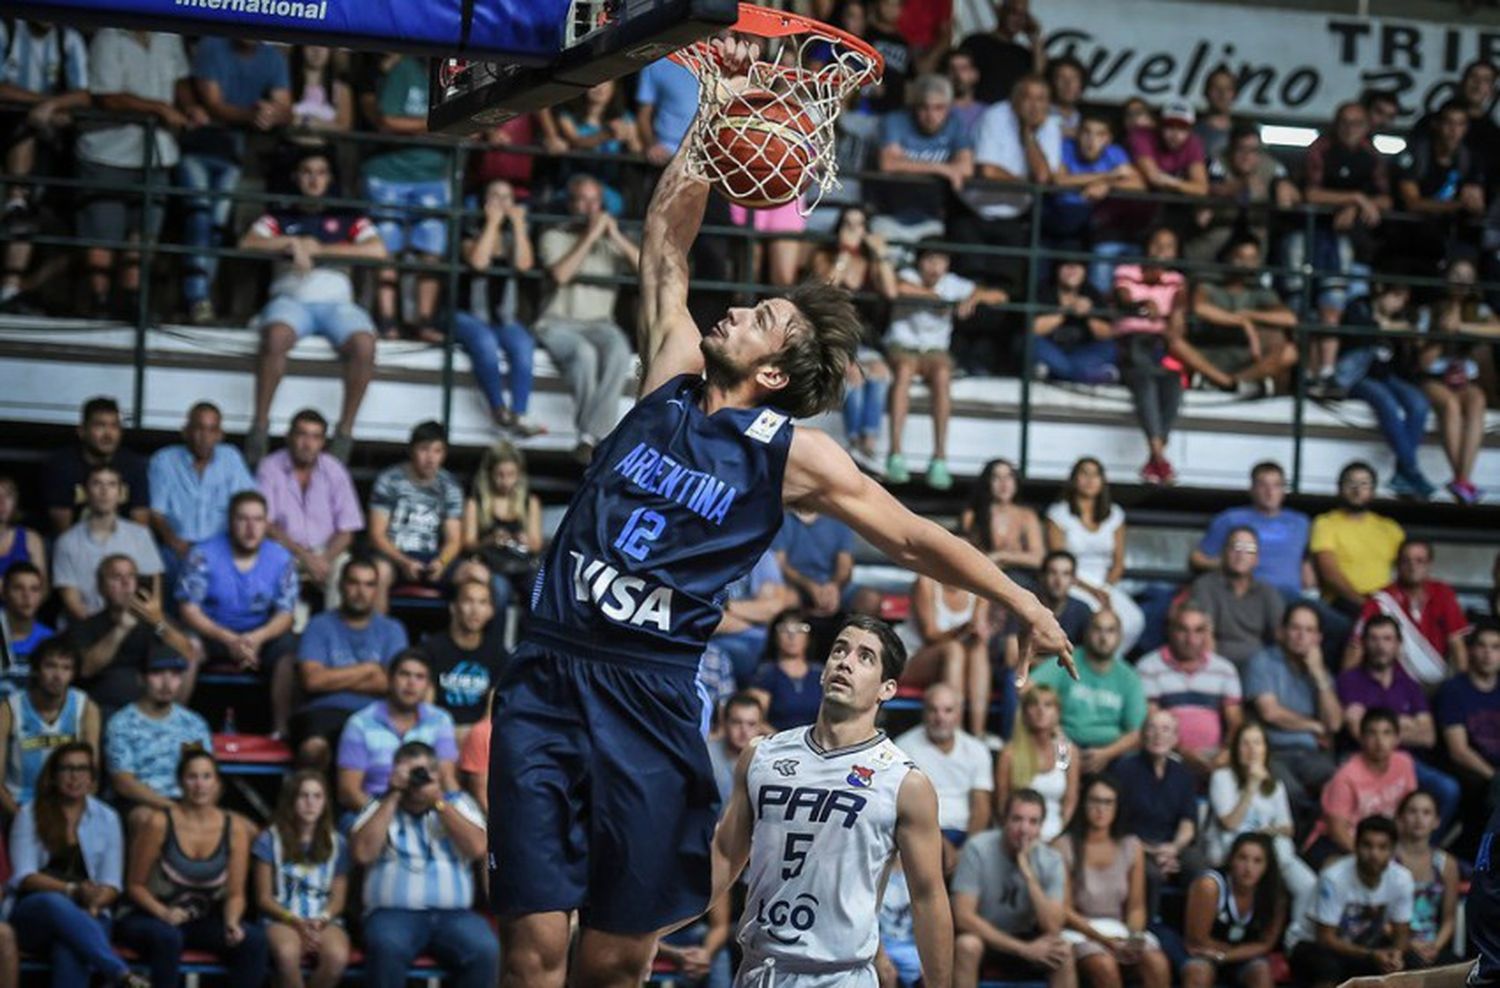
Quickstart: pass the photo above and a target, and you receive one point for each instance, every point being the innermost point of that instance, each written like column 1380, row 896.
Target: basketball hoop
column 767, row 142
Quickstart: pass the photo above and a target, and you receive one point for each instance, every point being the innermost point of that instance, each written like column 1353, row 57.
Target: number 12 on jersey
column 643, row 527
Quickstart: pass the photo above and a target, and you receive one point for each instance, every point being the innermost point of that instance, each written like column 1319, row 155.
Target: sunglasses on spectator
column 800, row 627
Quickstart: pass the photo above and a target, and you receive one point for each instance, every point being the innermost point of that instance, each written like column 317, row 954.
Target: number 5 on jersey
column 644, row 526
column 794, row 855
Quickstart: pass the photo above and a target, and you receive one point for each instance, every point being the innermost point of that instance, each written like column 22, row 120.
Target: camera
column 418, row 777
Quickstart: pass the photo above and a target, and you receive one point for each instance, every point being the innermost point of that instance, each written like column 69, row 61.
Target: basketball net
column 805, row 72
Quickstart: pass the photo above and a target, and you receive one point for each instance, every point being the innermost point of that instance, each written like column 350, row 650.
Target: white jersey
column 823, row 837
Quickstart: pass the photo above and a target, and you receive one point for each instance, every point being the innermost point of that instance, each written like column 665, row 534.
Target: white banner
column 1291, row 64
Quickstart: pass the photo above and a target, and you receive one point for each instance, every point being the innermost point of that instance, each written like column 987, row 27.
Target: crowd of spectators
column 1312, row 685
column 1174, row 297
column 1328, row 700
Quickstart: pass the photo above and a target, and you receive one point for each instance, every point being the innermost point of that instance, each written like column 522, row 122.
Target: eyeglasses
column 1248, row 547
column 797, row 627
column 1101, row 801
column 75, row 770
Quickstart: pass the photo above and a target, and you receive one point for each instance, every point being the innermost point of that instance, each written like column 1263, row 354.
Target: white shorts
column 766, row 975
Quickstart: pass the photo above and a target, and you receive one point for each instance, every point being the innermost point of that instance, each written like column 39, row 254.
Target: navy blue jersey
column 1484, row 907
column 675, row 506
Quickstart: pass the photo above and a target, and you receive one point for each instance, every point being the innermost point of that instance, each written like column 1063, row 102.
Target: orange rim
column 768, row 23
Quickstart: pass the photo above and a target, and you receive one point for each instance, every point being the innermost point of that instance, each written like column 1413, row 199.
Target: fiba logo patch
column 860, row 776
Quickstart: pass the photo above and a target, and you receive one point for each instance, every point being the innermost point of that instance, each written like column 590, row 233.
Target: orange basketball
column 760, row 150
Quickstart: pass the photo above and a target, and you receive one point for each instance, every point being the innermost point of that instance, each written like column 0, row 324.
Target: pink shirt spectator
column 1164, row 292
column 310, row 517
column 1357, row 791
column 1145, row 142
column 1197, row 695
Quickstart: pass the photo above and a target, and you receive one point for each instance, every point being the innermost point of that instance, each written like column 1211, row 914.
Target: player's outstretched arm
column 821, row 476
column 920, row 844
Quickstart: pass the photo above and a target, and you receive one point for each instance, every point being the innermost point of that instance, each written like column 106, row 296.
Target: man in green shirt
column 1103, row 711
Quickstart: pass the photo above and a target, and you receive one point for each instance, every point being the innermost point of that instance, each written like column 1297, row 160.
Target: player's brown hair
column 818, row 351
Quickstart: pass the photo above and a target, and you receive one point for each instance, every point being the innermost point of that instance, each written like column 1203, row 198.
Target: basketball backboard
column 601, row 40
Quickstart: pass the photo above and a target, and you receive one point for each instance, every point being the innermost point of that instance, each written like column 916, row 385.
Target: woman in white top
column 1244, row 797
column 1040, row 757
column 948, row 639
column 1085, row 522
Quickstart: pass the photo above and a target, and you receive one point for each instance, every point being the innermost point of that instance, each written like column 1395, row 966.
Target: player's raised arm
column 669, row 339
column 921, row 846
column 821, row 475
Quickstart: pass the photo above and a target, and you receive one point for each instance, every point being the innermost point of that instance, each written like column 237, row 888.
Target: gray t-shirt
column 989, row 874
column 120, row 63
column 1271, row 672
column 1242, row 625
column 416, row 511
column 76, row 557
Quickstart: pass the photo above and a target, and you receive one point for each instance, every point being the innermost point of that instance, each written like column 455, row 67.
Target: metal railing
column 157, row 189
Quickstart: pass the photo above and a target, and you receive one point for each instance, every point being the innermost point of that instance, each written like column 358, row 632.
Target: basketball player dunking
column 601, row 793
column 819, row 813
column 1483, row 925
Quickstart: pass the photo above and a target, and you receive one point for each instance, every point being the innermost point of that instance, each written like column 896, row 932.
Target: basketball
column 760, row 150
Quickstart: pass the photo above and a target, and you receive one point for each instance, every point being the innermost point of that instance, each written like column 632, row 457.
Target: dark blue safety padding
column 527, row 32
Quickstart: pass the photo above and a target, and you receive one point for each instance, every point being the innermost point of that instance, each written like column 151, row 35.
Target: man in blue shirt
column 191, row 483
column 923, row 139
column 237, row 592
column 341, row 661
column 1093, row 166
column 667, row 95
column 22, row 591
column 242, row 85
column 749, row 606
column 1158, row 801
column 144, row 741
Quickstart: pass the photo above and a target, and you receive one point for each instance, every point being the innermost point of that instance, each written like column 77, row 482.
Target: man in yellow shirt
column 1352, row 547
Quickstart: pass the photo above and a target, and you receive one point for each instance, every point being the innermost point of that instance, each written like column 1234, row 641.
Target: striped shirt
column 38, row 63
column 420, row 867
column 1197, row 695
column 302, row 888
column 33, row 739
column 370, row 740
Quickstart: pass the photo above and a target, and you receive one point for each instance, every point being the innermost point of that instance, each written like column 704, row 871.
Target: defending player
column 601, row 792
column 1483, row 926
column 820, row 812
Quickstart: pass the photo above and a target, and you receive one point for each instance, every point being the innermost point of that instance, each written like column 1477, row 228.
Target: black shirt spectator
column 466, row 658
column 99, row 437
column 884, row 35
column 1345, row 161
column 1441, row 180
column 1476, row 94
column 115, row 643
column 1001, row 59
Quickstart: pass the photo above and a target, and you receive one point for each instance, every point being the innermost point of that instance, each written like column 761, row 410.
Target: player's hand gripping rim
column 735, row 56
column 1042, row 638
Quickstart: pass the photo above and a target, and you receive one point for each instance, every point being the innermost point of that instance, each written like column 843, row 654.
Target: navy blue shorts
column 602, row 796
column 1484, row 918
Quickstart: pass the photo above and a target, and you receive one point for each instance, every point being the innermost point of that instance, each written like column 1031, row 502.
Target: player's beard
column 722, row 372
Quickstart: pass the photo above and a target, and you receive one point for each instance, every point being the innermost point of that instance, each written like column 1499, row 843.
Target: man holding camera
column 418, row 846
